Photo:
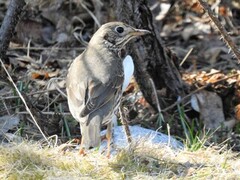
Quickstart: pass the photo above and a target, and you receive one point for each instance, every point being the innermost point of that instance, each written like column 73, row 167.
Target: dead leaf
column 237, row 112
column 214, row 78
column 210, row 107
column 223, row 11
column 7, row 123
column 44, row 74
column 56, row 84
column 143, row 102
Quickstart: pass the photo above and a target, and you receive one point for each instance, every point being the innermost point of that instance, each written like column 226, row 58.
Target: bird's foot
column 76, row 140
column 82, row 152
column 108, row 148
column 108, row 155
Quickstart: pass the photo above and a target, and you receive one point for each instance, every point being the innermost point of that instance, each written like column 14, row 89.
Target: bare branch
column 227, row 39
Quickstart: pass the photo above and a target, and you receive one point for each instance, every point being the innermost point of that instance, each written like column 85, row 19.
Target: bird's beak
column 139, row 32
column 132, row 34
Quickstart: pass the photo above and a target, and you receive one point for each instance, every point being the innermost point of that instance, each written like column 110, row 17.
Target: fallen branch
column 9, row 23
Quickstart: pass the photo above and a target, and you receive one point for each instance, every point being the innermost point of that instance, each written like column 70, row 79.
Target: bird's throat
column 113, row 48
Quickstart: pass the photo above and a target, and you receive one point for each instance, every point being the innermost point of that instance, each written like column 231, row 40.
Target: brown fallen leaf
column 214, row 78
column 143, row 102
column 44, row 74
column 237, row 112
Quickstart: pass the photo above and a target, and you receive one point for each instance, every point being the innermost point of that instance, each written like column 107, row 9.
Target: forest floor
column 52, row 33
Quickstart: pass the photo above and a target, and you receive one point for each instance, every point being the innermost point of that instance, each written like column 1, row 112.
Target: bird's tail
column 91, row 133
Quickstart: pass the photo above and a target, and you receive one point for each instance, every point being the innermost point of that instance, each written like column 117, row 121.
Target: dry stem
column 23, row 100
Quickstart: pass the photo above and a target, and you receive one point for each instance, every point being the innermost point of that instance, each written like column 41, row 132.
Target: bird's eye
column 119, row 29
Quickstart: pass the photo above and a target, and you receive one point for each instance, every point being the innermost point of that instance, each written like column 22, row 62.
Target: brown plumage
column 94, row 81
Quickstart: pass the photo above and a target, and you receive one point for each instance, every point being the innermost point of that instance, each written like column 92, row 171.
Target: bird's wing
column 98, row 94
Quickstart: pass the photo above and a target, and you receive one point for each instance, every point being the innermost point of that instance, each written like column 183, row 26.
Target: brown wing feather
column 99, row 94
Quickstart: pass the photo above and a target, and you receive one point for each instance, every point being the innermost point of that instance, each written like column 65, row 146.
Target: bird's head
column 117, row 34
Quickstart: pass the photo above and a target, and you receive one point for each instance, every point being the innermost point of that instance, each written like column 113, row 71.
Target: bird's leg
column 125, row 124
column 109, row 138
column 103, row 137
column 81, row 150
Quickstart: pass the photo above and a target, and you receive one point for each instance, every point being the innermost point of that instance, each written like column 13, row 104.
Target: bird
column 94, row 82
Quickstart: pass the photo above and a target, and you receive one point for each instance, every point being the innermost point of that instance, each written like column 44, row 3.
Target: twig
column 90, row 13
column 31, row 94
column 125, row 124
column 53, row 80
column 5, row 106
column 160, row 117
column 47, row 48
column 50, row 103
column 155, row 94
column 186, row 56
column 169, row 135
column 195, row 91
column 149, row 120
column 227, row 39
column 23, row 100
column 48, row 113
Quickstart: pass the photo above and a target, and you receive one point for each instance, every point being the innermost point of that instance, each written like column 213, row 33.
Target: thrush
column 95, row 79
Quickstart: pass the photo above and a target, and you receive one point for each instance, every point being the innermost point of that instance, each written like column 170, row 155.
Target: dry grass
column 140, row 161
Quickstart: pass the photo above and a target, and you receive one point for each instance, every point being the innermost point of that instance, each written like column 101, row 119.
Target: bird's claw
column 82, row 152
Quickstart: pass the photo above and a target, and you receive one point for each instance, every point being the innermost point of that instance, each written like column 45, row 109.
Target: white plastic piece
column 128, row 68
